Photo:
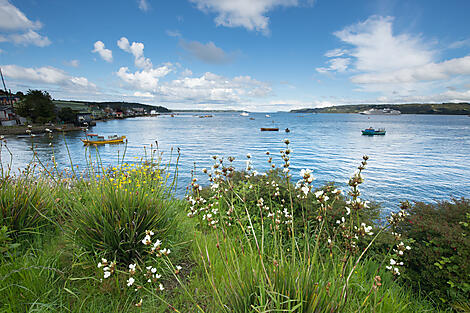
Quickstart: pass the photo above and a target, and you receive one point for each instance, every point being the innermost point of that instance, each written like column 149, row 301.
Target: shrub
column 26, row 204
column 439, row 263
column 110, row 215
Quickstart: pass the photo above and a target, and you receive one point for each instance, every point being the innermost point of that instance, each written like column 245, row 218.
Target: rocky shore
column 37, row 129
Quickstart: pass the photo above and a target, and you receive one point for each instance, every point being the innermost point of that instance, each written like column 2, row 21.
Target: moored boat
column 94, row 139
column 269, row 129
column 372, row 131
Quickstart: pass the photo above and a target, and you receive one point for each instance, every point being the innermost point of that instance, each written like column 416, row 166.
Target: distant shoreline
column 409, row 108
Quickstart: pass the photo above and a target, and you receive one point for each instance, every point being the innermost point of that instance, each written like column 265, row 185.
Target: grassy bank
column 118, row 241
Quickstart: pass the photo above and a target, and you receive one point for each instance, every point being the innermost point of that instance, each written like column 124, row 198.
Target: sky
column 255, row 55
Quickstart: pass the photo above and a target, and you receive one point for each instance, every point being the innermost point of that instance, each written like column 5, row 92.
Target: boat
column 100, row 140
column 385, row 111
column 371, row 131
column 244, row 114
column 267, row 115
column 269, row 129
column 252, row 118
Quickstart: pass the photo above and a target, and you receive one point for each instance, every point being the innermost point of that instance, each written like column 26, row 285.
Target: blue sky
column 258, row 55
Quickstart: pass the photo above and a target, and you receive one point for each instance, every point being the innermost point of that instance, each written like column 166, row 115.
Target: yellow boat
column 100, row 140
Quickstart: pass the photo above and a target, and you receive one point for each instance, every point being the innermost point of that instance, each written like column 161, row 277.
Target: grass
column 100, row 244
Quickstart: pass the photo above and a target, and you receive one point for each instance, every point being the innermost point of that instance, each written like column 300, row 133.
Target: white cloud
column 17, row 28
column 250, row 14
column 336, row 65
column 137, row 50
column 212, row 88
column 335, row 53
column 397, row 65
column 143, row 94
column 12, row 19
column 30, row 37
column 46, row 75
column 143, row 5
column 208, row 52
column 376, row 48
column 72, row 63
column 145, row 80
column 105, row 54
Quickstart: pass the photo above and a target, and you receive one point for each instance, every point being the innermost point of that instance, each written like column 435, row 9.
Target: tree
column 37, row 105
column 67, row 115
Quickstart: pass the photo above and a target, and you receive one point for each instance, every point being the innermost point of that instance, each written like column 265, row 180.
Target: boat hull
column 373, row 133
column 103, row 142
column 268, row 129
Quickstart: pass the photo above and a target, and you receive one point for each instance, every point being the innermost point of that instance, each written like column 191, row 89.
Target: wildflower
column 132, row 268
column 139, row 304
column 130, row 281
column 149, row 232
column 178, row 269
column 160, row 286
column 147, row 240
column 107, row 274
column 103, row 262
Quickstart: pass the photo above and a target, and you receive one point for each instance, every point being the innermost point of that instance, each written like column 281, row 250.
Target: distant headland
column 408, row 108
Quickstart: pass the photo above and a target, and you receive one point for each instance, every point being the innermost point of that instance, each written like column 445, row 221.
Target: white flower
column 393, row 262
column 132, row 267
column 147, row 240
column 102, row 263
column 305, row 190
column 348, row 211
column 178, row 267
column 130, row 281
column 107, row 274
column 153, row 270
column 408, row 248
column 319, row 193
column 161, row 287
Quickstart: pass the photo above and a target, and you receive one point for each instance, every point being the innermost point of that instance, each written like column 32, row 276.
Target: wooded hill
column 409, row 108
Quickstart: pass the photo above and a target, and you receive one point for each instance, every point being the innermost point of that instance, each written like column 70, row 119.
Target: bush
column 438, row 263
column 26, row 204
column 111, row 214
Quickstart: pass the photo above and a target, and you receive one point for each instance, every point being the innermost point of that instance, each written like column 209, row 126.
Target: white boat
column 244, row 114
column 385, row 111
column 267, row 115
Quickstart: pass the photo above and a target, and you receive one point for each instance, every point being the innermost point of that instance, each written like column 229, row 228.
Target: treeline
column 116, row 105
column 409, row 108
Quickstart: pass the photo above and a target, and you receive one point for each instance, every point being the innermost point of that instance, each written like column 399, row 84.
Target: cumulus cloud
column 145, row 80
column 208, row 53
column 137, row 50
column 47, row 75
column 250, row 14
column 17, row 28
column 397, row 65
column 212, row 88
column 104, row 53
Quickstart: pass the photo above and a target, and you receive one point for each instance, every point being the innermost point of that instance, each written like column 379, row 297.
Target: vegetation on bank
column 409, row 108
column 117, row 240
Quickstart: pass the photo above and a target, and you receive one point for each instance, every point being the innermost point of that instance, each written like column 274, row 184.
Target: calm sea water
column 421, row 158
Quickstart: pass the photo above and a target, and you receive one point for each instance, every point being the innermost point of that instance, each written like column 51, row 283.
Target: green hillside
column 409, row 108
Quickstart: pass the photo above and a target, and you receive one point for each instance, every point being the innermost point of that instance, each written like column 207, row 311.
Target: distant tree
column 19, row 94
column 37, row 105
column 67, row 115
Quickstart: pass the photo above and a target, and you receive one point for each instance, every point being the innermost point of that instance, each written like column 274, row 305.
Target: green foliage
column 26, row 204
column 438, row 263
column 37, row 105
column 67, row 115
column 110, row 215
